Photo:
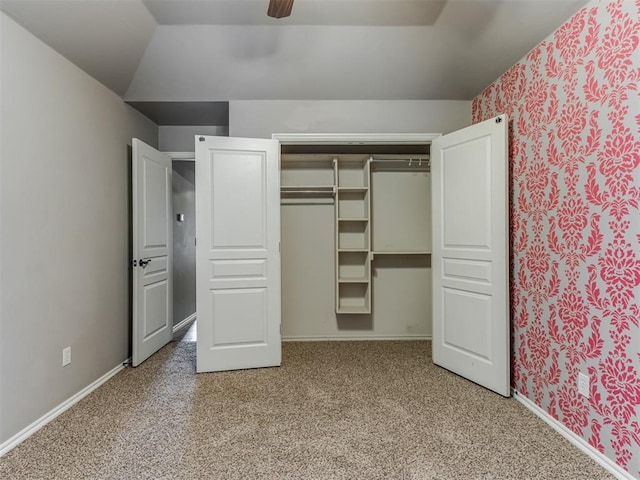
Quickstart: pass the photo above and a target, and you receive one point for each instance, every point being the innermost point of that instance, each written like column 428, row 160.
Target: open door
column 152, row 251
column 237, row 253
column 470, row 254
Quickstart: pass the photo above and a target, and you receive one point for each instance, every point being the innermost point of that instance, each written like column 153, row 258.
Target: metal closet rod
column 408, row 160
column 401, row 159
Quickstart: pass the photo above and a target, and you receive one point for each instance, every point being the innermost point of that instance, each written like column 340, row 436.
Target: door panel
column 249, row 307
column 466, row 270
column 468, row 334
column 466, row 215
column 470, row 254
column 152, row 243
column 238, row 257
column 246, row 192
column 155, row 296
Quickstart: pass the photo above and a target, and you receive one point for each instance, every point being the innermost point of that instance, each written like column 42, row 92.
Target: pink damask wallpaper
column 574, row 109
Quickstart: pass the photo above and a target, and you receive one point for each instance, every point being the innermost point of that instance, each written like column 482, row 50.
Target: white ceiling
column 306, row 12
column 106, row 38
column 220, row 50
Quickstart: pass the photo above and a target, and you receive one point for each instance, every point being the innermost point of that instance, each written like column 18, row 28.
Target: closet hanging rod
column 418, row 162
column 416, row 158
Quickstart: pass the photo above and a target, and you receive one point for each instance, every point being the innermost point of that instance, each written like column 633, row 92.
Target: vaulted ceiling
column 221, row 50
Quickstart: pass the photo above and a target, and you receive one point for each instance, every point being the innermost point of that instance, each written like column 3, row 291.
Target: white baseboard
column 184, row 322
column 306, row 338
column 25, row 433
column 602, row 460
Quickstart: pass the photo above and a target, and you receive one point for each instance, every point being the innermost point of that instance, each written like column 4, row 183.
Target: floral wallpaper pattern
column 574, row 109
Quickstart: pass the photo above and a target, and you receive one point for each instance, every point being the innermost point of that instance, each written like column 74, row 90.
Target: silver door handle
column 143, row 263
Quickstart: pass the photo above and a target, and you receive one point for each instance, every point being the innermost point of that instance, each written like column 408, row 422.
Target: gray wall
column 64, row 223
column 184, row 235
column 262, row 118
column 180, row 138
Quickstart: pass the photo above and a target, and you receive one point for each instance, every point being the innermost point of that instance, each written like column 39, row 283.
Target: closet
column 340, row 236
column 356, row 241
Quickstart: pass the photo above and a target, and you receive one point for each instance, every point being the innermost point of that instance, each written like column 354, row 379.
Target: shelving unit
column 353, row 235
column 378, row 213
column 356, row 241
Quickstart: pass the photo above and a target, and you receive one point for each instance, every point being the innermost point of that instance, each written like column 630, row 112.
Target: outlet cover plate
column 583, row 384
column 66, row 356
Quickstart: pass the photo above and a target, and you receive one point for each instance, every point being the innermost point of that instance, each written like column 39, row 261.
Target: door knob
column 144, row 261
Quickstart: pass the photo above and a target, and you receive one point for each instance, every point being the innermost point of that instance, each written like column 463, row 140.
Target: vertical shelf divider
column 353, row 236
column 336, row 180
column 370, row 227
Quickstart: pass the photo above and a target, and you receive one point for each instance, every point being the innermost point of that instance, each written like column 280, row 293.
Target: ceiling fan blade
column 280, row 8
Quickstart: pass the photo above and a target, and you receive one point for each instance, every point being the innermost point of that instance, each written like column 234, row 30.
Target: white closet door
column 152, row 251
column 470, row 254
column 237, row 252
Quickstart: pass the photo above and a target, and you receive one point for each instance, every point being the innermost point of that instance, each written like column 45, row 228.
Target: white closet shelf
column 353, row 280
column 353, row 250
column 361, row 219
column 353, row 189
column 294, row 188
column 399, row 252
column 363, row 310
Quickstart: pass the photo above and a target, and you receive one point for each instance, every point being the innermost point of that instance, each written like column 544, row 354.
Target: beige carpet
column 352, row 410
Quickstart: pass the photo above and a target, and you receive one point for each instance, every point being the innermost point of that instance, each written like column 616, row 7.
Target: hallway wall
column 184, row 236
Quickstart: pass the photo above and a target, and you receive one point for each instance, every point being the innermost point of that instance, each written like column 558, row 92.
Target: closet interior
column 355, row 241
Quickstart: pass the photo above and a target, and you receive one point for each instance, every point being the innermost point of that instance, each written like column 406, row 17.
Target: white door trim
column 354, row 138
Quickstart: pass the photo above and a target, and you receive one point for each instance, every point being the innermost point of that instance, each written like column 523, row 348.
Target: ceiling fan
column 279, row 8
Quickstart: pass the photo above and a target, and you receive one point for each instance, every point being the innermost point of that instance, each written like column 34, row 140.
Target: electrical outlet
column 583, row 384
column 66, row 356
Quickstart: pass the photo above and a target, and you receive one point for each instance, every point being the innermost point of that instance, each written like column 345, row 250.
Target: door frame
column 354, row 138
column 182, row 157
column 364, row 140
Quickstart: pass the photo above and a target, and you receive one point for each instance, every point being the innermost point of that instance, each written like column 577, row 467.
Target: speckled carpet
column 352, row 410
